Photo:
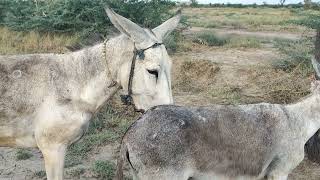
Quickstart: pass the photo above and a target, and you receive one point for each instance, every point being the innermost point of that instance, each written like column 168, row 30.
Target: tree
column 194, row 3
column 307, row 4
column 282, row 2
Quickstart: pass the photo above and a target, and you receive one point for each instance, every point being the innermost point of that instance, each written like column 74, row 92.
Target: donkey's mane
column 90, row 40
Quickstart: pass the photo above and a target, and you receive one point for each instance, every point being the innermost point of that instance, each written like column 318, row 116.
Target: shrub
column 210, row 39
column 84, row 16
column 23, row 154
column 297, row 54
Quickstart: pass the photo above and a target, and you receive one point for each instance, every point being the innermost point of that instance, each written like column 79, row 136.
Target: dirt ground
column 228, row 79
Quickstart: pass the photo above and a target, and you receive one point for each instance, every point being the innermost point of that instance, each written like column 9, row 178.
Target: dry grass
column 193, row 76
column 199, row 78
column 12, row 42
column 254, row 19
column 279, row 86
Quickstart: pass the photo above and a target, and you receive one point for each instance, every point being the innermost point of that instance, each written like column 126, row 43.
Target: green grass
column 244, row 42
column 40, row 174
column 23, row 154
column 104, row 169
column 253, row 19
column 297, row 54
column 76, row 172
column 210, row 39
column 108, row 126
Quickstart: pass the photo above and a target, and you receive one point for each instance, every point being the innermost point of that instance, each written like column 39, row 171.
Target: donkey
column 254, row 141
column 47, row 100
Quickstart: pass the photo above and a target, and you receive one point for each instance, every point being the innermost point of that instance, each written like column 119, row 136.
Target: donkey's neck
column 307, row 115
column 89, row 73
column 97, row 67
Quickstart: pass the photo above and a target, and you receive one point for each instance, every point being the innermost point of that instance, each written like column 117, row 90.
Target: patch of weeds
column 210, row 39
column 107, row 126
column 211, row 25
column 285, row 87
column 40, row 174
column 297, row 53
column 244, row 42
column 172, row 42
column 230, row 14
column 77, row 172
column 176, row 42
column 237, row 25
column 23, row 154
column 231, row 95
column 104, row 169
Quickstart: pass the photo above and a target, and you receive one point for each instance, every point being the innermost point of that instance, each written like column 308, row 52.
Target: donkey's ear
column 167, row 27
column 129, row 28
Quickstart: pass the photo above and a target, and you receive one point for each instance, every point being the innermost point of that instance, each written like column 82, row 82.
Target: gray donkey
column 47, row 100
column 254, row 141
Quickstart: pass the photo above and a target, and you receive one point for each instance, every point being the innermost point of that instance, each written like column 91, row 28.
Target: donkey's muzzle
column 126, row 100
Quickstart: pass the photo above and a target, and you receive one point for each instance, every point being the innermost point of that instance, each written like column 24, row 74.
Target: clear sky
column 247, row 1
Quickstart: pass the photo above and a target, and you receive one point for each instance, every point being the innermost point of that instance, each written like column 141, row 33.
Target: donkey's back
column 172, row 142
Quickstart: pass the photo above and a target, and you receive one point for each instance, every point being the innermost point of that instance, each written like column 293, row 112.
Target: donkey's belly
column 20, row 141
column 17, row 132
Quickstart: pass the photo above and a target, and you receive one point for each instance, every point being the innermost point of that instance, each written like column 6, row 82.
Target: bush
column 210, row 39
column 297, row 54
column 23, row 154
column 86, row 16
column 3, row 10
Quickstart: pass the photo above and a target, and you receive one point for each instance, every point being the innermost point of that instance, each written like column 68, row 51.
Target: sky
column 247, row 1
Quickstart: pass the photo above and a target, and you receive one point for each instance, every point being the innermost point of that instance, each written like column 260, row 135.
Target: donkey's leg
column 286, row 164
column 54, row 160
column 56, row 128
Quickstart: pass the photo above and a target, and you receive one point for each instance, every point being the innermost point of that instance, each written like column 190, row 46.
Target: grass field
column 212, row 64
column 253, row 19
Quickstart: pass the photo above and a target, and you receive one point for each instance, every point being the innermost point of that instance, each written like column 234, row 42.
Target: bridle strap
column 127, row 99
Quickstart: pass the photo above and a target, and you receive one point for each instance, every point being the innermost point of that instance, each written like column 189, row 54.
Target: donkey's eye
column 154, row 72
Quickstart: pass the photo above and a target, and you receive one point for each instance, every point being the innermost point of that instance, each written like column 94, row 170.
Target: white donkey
column 220, row 142
column 47, row 100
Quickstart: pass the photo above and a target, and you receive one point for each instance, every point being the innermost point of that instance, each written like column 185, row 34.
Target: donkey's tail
column 312, row 148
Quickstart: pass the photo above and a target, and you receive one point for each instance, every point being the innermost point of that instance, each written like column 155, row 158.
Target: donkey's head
column 147, row 76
